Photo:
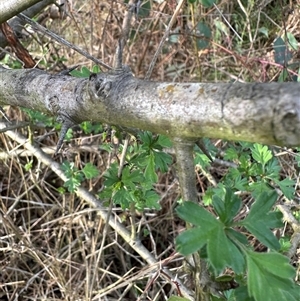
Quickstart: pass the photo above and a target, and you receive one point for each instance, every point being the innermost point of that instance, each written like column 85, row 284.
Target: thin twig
column 290, row 218
column 125, row 33
column 62, row 41
column 165, row 36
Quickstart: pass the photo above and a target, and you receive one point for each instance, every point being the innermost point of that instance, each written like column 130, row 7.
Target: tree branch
column 17, row 24
column 186, row 169
column 256, row 112
column 10, row 8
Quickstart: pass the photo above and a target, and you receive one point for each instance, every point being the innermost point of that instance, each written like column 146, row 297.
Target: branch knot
column 110, row 83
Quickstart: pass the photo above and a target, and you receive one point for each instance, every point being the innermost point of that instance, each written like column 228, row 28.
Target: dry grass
column 50, row 242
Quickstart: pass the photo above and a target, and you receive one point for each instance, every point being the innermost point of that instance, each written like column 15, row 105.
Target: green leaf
column 72, row 184
column 164, row 141
column 258, row 220
column 266, row 236
column 228, row 208
column 89, row 127
column 281, row 53
column 221, row 250
column 28, row 165
column 162, row 161
column 274, row 219
column 90, row 171
column 203, row 31
column 145, row 9
column 283, row 76
column 207, row 3
column 130, row 178
column 84, row 72
column 96, row 69
column 61, row 190
column 292, row 41
column 285, row 244
column 270, row 277
column 261, row 153
column 111, row 176
column 68, row 168
column 236, row 236
column 201, row 159
column 264, row 31
column 196, row 215
column 152, row 198
column 122, row 197
column 241, row 293
column 273, row 168
column 69, row 135
column 231, row 153
column 207, row 197
column 191, row 241
column 153, row 144
column 146, row 138
column 36, row 117
column 287, row 187
column 150, row 174
column 257, row 188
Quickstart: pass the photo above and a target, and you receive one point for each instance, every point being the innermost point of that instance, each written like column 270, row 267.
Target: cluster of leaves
column 283, row 55
column 135, row 184
column 258, row 171
column 76, row 176
column 219, row 238
column 269, row 275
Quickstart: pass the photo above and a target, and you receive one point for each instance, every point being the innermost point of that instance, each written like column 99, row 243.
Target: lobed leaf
column 260, row 220
column 228, row 208
column 270, row 277
column 90, row 171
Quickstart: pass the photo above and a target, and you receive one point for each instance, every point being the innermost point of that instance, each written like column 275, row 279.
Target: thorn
column 66, row 124
column 67, row 71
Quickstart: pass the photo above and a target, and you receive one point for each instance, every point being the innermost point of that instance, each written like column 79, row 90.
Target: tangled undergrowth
column 53, row 246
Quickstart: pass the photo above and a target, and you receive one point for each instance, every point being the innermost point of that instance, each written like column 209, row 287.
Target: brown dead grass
column 49, row 242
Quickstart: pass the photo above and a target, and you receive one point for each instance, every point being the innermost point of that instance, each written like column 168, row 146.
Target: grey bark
column 257, row 112
column 10, row 8
column 16, row 23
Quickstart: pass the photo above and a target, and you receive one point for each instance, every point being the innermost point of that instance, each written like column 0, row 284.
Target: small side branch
column 186, row 169
column 62, row 41
column 289, row 218
column 132, row 7
column 165, row 36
